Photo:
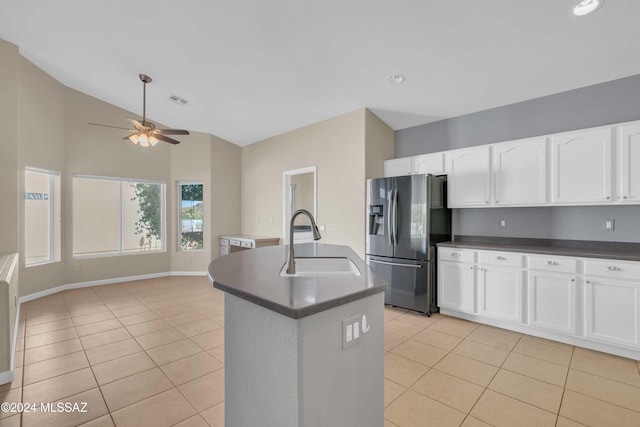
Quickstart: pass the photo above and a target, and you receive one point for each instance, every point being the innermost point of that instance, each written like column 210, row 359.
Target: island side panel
column 261, row 366
column 342, row 386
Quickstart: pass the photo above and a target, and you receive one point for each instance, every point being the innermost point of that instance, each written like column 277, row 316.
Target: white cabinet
column 469, row 177
column 423, row 164
column 520, row 172
column 398, row 167
column 611, row 311
column 581, row 167
column 429, row 164
column 500, row 293
column 629, row 163
column 552, row 301
column 456, row 286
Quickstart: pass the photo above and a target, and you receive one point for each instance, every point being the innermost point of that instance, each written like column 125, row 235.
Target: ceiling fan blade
column 171, row 132
column 166, row 139
column 136, row 123
column 108, row 126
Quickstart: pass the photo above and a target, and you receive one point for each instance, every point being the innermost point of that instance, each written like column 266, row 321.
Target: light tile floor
column 151, row 353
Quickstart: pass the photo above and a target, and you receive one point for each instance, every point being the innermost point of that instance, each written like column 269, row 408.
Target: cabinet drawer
column 234, row 242
column 223, row 242
column 612, row 269
column 554, row 264
column 507, row 259
column 224, row 250
column 456, row 255
column 246, row 244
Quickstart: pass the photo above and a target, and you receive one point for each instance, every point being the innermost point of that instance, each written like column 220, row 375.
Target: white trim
column 6, row 377
column 51, row 291
column 16, row 327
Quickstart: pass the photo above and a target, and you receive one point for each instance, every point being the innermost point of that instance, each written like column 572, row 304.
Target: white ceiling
column 252, row 69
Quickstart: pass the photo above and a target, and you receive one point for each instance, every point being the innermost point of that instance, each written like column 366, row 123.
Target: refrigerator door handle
column 395, row 217
column 389, row 233
column 396, row 264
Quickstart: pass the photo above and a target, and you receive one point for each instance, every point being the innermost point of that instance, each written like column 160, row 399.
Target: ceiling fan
column 145, row 133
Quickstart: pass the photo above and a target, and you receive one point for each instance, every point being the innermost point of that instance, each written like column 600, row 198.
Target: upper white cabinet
column 629, row 163
column 520, row 172
column 397, row 167
column 469, row 177
column 581, row 167
column 423, row 164
column 429, row 163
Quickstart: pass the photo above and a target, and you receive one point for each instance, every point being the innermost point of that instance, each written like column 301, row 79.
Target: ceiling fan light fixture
column 585, row 7
column 134, row 139
column 153, row 140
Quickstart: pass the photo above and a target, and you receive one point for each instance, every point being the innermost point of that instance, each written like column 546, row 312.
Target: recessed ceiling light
column 397, row 78
column 585, row 7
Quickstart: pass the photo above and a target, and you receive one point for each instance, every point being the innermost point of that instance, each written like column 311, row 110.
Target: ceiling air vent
column 178, row 100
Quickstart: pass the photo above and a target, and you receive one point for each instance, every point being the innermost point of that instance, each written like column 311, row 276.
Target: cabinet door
column 429, row 163
column 612, row 309
column 552, row 301
column 629, row 163
column 469, row 177
column 581, row 167
column 456, row 286
column 397, row 167
column 500, row 293
column 520, row 172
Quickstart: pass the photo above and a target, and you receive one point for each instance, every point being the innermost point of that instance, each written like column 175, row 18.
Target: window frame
column 51, row 229
column 179, row 185
column 120, row 251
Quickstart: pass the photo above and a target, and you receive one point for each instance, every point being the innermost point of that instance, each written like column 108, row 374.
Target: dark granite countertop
column 255, row 276
column 625, row 251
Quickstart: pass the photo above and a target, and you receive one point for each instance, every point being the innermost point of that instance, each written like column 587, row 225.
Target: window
column 41, row 216
column 114, row 216
column 190, row 217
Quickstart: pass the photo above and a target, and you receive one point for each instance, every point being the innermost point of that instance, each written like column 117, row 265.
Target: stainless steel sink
column 322, row 267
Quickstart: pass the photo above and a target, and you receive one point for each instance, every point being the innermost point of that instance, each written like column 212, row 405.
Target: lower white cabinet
column 581, row 301
column 458, row 286
column 611, row 311
column 552, row 301
column 500, row 293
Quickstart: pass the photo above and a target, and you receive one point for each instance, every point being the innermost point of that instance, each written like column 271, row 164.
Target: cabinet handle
column 486, row 201
column 552, row 263
column 625, row 197
column 471, row 267
column 608, row 197
column 613, row 268
column 588, row 282
column 501, row 258
column 497, row 201
column 573, row 279
column 455, row 254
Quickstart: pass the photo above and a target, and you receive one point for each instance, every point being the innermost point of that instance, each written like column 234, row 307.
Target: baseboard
column 16, row 327
column 77, row 285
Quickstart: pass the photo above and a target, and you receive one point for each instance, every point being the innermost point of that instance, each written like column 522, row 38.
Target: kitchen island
column 301, row 350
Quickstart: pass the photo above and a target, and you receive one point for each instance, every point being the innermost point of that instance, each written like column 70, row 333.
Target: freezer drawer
column 410, row 282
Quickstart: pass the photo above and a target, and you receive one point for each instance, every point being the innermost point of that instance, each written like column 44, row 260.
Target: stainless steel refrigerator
column 407, row 216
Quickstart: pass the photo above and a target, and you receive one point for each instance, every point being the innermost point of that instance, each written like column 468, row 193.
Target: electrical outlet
column 503, row 223
column 321, row 228
column 351, row 331
column 609, row 224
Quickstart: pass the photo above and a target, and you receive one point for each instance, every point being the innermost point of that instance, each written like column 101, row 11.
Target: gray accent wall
column 606, row 103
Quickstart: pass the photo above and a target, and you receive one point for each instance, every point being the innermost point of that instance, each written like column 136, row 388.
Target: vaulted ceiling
column 252, row 69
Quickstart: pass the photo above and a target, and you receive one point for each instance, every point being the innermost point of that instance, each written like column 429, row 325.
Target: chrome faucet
column 291, row 263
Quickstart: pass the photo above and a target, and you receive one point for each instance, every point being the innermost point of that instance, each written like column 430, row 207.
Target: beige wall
column 191, row 161
column 47, row 127
column 9, row 223
column 380, row 145
column 41, row 124
column 225, row 190
column 336, row 148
